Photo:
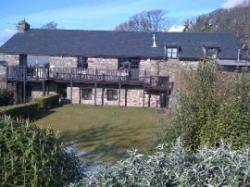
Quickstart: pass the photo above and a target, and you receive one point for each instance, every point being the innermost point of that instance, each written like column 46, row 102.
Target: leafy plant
column 220, row 166
column 47, row 102
column 6, row 97
column 21, row 110
column 30, row 156
column 207, row 111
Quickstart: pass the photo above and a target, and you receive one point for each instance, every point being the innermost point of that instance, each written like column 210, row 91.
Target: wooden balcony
column 80, row 75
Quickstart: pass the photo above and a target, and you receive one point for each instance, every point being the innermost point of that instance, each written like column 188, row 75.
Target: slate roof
column 117, row 43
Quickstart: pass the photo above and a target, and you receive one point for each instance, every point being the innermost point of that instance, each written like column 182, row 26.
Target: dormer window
column 212, row 53
column 211, row 50
column 82, row 62
column 172, row 52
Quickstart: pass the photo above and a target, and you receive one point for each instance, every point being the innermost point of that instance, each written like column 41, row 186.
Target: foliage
column 220, row 166
column 6, row 97
column 30, row 110
column 153, row 20
column 234, row 20
column 51, row 26
column 30, row 156
column 21, row 110
column 47, row 102
column 205, row 113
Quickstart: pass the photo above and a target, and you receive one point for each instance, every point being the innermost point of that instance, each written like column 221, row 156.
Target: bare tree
column 153, row 20
column 236, row 19
column 51, row 25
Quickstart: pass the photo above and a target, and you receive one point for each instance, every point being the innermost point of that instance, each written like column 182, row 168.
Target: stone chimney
column 23, row 26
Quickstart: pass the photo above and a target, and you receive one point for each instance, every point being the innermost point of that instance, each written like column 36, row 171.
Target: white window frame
column 172, row 52
column 213, row 55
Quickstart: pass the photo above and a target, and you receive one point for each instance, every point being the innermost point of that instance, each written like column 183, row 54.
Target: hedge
column 22, row 110
column 47, row 102
column 30, row 110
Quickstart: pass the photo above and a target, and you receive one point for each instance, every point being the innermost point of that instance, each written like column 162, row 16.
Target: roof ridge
column 146, row 32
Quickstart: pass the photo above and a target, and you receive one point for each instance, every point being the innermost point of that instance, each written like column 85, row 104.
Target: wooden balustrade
column 38, row 73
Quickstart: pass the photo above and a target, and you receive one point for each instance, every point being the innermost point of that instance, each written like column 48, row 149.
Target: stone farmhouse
column 120, row 68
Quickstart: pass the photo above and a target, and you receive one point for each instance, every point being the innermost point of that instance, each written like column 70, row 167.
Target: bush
column 208, row 167
column 206, row 112
column 6, row 97
column 30, row 156
column 22, row 110
column 47, row 102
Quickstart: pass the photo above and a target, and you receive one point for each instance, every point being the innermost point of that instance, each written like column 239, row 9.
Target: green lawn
column 105, row 133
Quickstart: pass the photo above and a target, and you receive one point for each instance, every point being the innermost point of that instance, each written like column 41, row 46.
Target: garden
column 204, row 142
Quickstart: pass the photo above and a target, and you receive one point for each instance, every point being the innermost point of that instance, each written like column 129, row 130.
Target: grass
column 105, row 133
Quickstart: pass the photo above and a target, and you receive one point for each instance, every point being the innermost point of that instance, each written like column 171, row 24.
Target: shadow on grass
column 100, row 143
column 43, row 114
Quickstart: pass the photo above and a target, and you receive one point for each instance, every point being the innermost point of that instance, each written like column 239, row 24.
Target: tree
column 153, row 20
column 51, row 25
column 235, row 20
column 207, row 112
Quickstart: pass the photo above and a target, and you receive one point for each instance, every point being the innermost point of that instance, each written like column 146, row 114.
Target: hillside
column 235, row 20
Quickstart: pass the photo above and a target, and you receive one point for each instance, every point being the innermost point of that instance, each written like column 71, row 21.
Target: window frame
column 128, row 63
column 113, row 96
column 82, row 62
column 172, row 52
column 212, row 52
column 86, row 93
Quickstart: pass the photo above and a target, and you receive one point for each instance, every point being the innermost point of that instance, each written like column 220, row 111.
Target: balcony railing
column 41, row 73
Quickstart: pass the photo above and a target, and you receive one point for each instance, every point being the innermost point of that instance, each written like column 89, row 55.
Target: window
column 112, row 95
column 211, row 53
column 127, row 63
column 87, row 93
column 82, row 62
column 172, row 52
column 41, row 60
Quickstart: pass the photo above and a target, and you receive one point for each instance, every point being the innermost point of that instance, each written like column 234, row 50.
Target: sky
column 98, row 14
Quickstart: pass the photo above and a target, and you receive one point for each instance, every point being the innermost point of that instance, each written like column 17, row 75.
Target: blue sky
column 95, row 14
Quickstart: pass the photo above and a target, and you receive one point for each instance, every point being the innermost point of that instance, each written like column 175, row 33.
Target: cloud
column 176, row 28
column 6, row 34
column 234, row 3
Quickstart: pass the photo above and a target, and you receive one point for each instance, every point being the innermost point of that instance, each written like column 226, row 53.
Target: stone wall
column 10, row 59
column 56, row 61
column 103, row 63
column 134, row 97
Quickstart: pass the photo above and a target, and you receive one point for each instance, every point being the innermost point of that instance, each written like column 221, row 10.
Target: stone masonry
column 171, row 68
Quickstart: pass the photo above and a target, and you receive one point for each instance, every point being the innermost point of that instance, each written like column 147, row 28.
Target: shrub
column 6, row 97
column 21, row 110
column 208, row 167
column 30, row 156
column 47, row 102
column 205, row 113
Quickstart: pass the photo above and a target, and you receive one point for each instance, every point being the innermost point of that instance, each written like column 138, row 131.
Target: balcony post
column 7, row 75
column 149, row 99
column 103, row 96
column 119, row 93
column 143, row 97
column 95, row 92
column 71, row 87
column 126, row 95
column 43, row 87
column 80, row 95
column 24, row 83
